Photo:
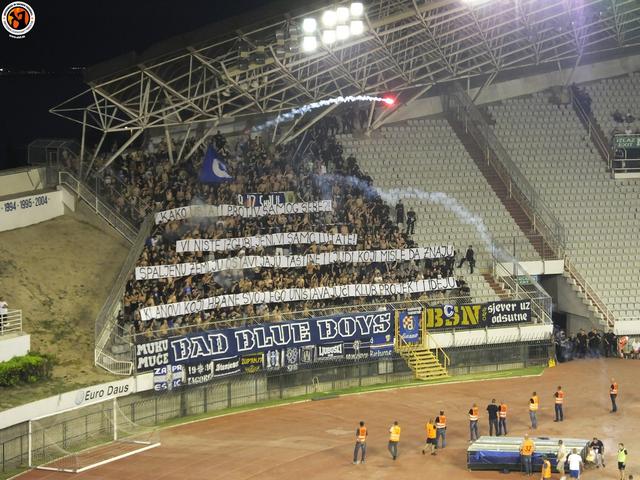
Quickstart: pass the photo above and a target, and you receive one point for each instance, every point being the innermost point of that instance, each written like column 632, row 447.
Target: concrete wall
column 14, row 346
column 24, row 211
column 21, row 180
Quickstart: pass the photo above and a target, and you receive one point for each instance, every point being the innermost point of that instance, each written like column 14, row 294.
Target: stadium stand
column 149, row 179
column 428, row 151
column 600, row 215
column 615, row 95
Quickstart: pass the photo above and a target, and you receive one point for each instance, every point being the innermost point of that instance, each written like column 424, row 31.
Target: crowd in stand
column 594, row 344
column 146, row 181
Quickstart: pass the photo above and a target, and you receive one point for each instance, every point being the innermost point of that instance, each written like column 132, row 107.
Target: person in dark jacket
column 470, row 258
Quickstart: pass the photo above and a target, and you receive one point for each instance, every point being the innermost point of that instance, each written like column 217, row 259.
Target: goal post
column 85, row 437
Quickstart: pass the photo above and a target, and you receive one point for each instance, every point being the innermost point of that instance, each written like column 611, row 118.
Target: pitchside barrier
column 67, row 440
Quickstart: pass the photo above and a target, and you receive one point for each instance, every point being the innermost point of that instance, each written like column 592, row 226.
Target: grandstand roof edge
column 260, row 17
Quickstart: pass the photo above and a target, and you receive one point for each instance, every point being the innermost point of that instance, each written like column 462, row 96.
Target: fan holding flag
column 213, row 169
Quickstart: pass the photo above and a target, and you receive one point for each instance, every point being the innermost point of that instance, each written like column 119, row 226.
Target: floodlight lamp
column 329, row 18
column 342, row 32
column 309, row 25
column 357, row 9
column 309, row 44
column 357, row 27
column 342, row 14
column 328, row 37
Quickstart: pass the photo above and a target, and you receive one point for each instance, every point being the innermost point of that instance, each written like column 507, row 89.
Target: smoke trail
column 391, row 196
column 283, row 117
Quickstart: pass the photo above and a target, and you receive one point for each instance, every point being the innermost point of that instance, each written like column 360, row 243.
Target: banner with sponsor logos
column 492, row 314
column 409, row 322
column 297, row 295
column 265, row 199
column 202, row 211
column 291, row 261
column 269, row 240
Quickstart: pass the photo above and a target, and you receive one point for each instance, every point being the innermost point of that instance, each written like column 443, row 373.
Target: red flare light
column 389, row 100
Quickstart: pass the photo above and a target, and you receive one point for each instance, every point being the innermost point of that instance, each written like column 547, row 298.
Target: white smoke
column 283, row 117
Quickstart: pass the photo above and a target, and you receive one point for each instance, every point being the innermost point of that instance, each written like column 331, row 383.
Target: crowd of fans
column 594, row 344
column 145, row 180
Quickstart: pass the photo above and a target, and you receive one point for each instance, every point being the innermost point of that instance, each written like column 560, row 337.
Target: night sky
column 70, row 33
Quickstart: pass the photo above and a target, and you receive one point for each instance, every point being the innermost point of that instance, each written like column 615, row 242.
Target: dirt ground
column 315, row 439
column 59, row 273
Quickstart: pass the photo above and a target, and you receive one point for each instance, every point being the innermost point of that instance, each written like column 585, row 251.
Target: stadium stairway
column 601, row 215
column 426, row 155
column 500, row 189
column 424, row 364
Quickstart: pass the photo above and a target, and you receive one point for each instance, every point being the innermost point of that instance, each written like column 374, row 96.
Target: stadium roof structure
column 409, row 47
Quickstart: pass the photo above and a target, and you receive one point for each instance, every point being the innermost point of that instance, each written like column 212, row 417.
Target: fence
column 106, row 320
column 11, row 322
column 91, row 197
column 76, row 428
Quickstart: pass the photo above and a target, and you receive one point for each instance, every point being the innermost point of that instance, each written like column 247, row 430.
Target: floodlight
column 328, row 37
column 329, row 18
column 342, row 14
column 342, row 32
column 357, row 9
column 309, row 25
column 357, row 27
column 309, row 44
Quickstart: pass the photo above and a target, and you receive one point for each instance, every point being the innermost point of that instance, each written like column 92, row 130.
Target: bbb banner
column 266, row 199
column 492, row 314
column 409, row 322
column 327, row 334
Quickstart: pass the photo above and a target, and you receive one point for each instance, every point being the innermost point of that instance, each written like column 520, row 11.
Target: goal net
column 76, row 441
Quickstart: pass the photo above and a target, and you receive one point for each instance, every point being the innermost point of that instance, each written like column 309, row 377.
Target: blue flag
column 214, row 170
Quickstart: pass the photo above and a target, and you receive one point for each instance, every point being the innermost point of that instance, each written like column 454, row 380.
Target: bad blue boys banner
column 360, row 333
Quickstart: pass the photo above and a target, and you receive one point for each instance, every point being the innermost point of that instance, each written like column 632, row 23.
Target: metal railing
column 106, row 211
column 106, row 323
column 591, row 294
column 459, row 104
column 595, row 134
column 11, row 322
column 441, row 355
column 529, row 248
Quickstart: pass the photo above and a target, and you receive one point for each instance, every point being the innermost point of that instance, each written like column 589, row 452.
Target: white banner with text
column 270, row 240
column 202, row 211
column 297, row 295
column 291, row 261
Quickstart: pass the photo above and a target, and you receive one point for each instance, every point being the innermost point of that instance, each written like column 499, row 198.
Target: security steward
column 526, row 453
column 613, row 394
column 502, row 419
column 559, row 400
column 473, row 423
column 431, row 437
column 361, row 443
column 441, row 430
column 545, row 471
column 534, row 403
column 394, row 439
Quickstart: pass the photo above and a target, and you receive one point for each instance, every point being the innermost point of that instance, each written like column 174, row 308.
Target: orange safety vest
column 614, row 389
column 559, row 397
column 473, row 414
column 533, row 405
column 431, row 430
column 503, row 410
column 441, row 421
column 362, row 434
column 394, row 433
column 527, row 448
column 546, row 469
